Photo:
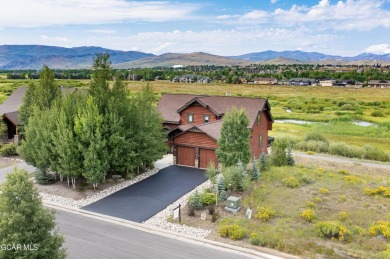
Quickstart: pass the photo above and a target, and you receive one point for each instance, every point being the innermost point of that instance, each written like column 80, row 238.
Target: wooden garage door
column 186, row 156
column 207, row 155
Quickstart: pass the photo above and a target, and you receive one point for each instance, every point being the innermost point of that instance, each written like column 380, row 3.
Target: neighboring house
column 194, row 125
column 302, row 82
column 379, row 83
column 192, row 78
column 9, row 110
column 344, row 82
column 327, row 82
column 265, row 81
column 243, row 80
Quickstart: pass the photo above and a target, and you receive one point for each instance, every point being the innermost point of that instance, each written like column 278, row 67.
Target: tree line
column 91, row 133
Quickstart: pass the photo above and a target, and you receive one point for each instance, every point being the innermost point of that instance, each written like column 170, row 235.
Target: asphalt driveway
column 146, row 198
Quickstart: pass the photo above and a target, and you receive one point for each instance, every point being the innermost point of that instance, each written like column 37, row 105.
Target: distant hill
column 188, row 59
column 311, row 57
column 297, row 55
column 13, row 57
column 35, row 56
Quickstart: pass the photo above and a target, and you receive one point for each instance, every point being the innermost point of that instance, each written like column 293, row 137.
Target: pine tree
column 234, row 140
column 196, row 200
column 255, row 171
column 290, row 158
column 263, row 162
column 99, row 87
column 223, row 195
column 25, row 221
column 278, row 155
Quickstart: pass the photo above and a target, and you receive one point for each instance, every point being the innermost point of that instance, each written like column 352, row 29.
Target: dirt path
column 343, row 160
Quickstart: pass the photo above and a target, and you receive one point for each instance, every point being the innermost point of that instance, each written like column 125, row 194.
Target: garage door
column 186, row 156
column 206, row 156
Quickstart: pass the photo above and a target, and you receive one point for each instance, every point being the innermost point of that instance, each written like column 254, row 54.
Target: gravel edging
column 68, row 202
column 160, row 219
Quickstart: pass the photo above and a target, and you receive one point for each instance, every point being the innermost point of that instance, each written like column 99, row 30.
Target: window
column 258, row 118
column 206, row 118
column 190, row 117
column 260, row 140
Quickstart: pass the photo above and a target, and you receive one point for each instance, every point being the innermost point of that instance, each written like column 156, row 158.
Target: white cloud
column 27, row 13
column 162, row 47
column 102, row 31
column 54, row 39
column 344, row 15
column 379, row 49
column 274, row 1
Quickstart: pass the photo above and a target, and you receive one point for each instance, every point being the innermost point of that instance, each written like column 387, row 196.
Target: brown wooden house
column 194, row 123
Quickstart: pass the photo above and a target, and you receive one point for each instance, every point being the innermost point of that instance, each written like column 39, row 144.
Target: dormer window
column 190, row 117
column 206, row 118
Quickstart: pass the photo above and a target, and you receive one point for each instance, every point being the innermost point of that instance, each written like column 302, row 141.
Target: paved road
column 10, row 169
column 344, row 160
column 146, row 198
column 88, row 238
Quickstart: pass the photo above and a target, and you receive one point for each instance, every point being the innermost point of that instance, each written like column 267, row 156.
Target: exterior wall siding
column 198, row 111
column 196, row 139
column 258, row 130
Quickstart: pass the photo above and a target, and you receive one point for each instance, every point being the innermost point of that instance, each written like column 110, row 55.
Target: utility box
column 233, row 204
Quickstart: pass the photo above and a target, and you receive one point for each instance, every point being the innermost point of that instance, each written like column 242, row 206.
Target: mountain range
column 14, row 57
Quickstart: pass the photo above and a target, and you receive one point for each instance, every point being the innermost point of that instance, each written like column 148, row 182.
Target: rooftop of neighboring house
column 264, row 79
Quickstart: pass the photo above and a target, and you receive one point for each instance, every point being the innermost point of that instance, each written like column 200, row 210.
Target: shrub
column 343, row 216
column 342, row 149
column 254, row 239
column 191, row 210
column 264, row 214
column 352, row 179
column 310, row 204
column 195, row 200
column 380, row 190
column 314, row 136
column 332, row 229
column 290, row 158
column 310, row 153
column 308, row 215
column 342, row 198
column 43, row 178
column 211, row 173
column 381, row 228
column 234, row 179
column 263, row 162
column 8, row 150
column 211, row 209
column 313, row 145
column 317, row 199
column 291, row 182
column 214, row 217
column 324, row 191
column 343, row 172
column 207, row 198
column 377, row 114
column 235, row 232
column 320, row 170
column 373, row 153
column 279, row 147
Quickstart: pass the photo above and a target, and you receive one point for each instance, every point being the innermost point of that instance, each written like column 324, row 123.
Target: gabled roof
column 12, row 103
column 12, row 117
column 171, row 105
column 212, row 129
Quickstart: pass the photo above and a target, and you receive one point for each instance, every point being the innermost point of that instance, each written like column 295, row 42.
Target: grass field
column 307, row 103
column 330, row 193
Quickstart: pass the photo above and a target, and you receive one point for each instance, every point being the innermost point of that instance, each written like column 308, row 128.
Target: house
column 243, row 80
column 302, row 82
column 265, row 81
column 344, row 83
column 192, row 78
column 327, row 82
column 9, row 110
column 379, row 83
column 194, row 123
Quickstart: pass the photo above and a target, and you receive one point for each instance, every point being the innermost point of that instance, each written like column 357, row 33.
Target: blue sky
column 345, row 27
